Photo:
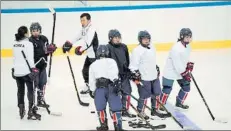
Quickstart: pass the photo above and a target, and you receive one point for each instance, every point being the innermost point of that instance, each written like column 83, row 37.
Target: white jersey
column 177, row 61
column 19, row 64
column 106, row 68
column 87, row 34
column 144, row 60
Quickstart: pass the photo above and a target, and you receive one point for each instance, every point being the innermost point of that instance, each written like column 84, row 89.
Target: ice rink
column 212, row 72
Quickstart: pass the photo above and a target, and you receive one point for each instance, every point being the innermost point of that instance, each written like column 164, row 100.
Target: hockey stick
column 161, row 126
column 80, row 101
column 49, row 112
column 52, row 41
column 212, row 116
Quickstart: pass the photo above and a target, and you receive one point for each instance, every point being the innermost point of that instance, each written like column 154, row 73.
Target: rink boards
column 163, row 21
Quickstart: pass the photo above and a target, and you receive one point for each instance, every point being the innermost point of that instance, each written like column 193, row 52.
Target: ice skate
column 86, row 90
column 103, row 126
column 40, row 100
column 22, row 110
column 181, row 106
column 118, row 127
column 156, row 112
column 143, row 115
column 126, row 113
column 40, row 103
column 161, row 108
column 32, row 114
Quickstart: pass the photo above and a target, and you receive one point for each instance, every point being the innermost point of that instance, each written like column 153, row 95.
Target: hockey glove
column 67, row 46
column 78, row 50
column 50, row 49
column 186, row 76
column 190, row 66
column 34, row 74
column 158, row 71
column 92, row 94
column 136, row 76
column 12, row 73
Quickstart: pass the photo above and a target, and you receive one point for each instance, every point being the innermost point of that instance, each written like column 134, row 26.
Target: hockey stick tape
column 51, row 10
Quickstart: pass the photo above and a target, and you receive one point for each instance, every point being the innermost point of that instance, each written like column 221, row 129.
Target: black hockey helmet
column 185, row 32
column 143, row 34
column 113, row 33
column 35, row 26
column 102, row 51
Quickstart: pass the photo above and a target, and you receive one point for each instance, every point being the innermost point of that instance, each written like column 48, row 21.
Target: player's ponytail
column 17, row 37
column 22, row 31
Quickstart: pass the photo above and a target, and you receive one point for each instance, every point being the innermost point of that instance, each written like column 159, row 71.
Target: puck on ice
column 92, row 111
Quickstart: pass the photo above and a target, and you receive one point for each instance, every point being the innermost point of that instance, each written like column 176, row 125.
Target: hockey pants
column 148, row 89
column 104, row 95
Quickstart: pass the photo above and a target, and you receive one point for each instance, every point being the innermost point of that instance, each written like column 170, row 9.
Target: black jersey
column 121, row 55
column 40, row 57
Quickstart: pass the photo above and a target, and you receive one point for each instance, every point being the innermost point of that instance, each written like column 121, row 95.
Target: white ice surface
column 212, row 73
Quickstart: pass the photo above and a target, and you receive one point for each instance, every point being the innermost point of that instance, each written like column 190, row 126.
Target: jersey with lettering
column 19, row 63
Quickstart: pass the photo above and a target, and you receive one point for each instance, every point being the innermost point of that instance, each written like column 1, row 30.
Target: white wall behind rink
column 207, row 24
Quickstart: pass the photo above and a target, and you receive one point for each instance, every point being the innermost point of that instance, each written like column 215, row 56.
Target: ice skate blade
column 41, row 108
column 181, row 109
column 157, row 118
column 56, row 113
column 31, row 118
column 129, row 119
column 21, row 117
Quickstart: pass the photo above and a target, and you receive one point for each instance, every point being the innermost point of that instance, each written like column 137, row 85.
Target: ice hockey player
column 119, row 52
column 42, row 49
column 89, row 35
column 104, row 87
column 21, row 72
column 178, row 68
column 144, row 73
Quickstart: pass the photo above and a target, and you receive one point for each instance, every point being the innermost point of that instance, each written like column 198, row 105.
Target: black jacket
column 40, row 44
column 121, row 55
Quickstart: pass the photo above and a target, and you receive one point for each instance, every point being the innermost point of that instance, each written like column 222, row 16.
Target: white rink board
column 207, row 24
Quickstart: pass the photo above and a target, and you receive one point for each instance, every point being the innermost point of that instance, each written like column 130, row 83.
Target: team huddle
column 108, row 71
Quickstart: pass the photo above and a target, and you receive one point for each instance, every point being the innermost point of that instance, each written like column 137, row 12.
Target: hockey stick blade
column 83, row 104
column 161, row 126
column 219, row 120
column 56, row 113
column 50, row 112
